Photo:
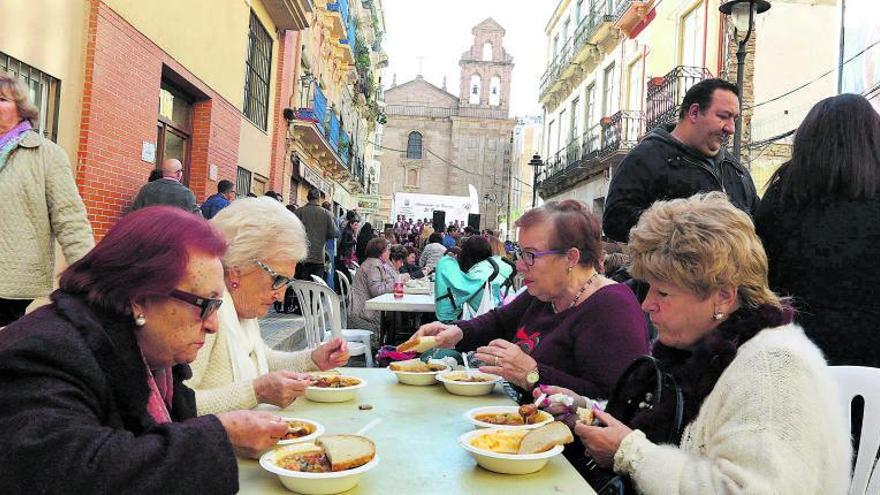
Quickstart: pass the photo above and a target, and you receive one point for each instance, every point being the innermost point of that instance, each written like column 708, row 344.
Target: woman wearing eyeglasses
column 572, row 326
column 92, row 394
column 236, row 369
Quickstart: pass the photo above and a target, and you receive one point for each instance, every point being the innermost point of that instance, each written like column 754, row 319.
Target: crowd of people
column 149, row 355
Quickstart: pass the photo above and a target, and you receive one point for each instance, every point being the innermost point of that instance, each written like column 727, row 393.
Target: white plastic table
column 417, row 444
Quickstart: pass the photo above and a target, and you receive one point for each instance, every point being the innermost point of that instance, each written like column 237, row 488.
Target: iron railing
column 665, row 94
column 312, row 105
column 601, row 12
column 620, row 7
column 618, row 134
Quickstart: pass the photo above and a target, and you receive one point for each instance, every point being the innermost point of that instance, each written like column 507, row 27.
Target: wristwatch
column 532, row 377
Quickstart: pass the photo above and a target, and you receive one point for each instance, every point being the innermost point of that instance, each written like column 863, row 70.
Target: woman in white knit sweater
column 235, row 369
column 760, row 407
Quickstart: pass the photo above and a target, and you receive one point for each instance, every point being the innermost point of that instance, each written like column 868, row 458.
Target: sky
column 432, row 34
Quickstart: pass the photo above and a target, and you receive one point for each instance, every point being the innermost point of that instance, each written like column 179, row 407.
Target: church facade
column 436, row 142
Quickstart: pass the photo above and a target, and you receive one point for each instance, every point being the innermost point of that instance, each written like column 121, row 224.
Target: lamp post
column 536, row 163
column 742, row 12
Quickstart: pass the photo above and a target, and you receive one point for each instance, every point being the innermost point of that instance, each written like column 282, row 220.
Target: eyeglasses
column 278, row 280
column 207, row 305
column 529, row 257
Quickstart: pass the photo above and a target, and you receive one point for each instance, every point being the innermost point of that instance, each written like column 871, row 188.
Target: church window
column 487, row 52
column 495, row 91
column 474, row 98
column 414, row 146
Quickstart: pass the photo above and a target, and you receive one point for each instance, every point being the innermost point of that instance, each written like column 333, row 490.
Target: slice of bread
column 585, row 416
column 347, row 451
column 545, row 438
column 418, row 344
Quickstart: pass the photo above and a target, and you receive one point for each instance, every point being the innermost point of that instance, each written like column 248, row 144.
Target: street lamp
column 536, row 163
column 742, row 13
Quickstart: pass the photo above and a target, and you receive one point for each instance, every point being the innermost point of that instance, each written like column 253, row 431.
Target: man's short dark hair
column 313, row 195
column 702, row 92
column 224, row 186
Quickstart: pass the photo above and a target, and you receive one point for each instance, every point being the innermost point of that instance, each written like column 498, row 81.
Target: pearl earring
column 140, row 320
column 234, row 285
column 718, row 316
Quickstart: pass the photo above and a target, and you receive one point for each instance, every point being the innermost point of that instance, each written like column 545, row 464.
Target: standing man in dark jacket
column 168, row 190
column 678, row 164
column 320, row 228
column 225, row 195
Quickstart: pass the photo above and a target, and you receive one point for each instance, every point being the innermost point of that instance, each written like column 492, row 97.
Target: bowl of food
column 525, row 417
column 301, row 430
column 334, row 388
column 516, row 451
column 468, row 383
column 330, row 464
column 417, row 372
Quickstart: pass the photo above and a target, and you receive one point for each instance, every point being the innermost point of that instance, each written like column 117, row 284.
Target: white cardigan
column 216, row 379
column 771, row 425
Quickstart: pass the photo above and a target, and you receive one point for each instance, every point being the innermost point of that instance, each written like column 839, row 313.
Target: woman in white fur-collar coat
column 761, row 410
column 235, row 369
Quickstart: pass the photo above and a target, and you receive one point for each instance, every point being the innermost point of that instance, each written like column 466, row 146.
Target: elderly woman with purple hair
column 93, row 395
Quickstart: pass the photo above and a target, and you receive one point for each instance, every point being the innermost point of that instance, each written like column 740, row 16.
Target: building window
column 474, row 97
column 412, row 177
column 495, row 91
column 608, row 86
column 563, row 131
column 691, row 38
column 575, row 117
column 555, row 45
column 578, row 10
column 44, row 92
column 259, row 68
column 487, row 52
column 565, row 27
column 174, row 127
column 414, row 146
column 550, row 149
column 590, row 105
column 634, row 89
column 242, row 182
column 599, row 206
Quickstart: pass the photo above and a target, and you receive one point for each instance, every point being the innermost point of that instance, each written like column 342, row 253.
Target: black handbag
column 641, row 387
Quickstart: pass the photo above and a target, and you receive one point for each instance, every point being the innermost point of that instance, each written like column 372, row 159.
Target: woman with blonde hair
column 236, row 369
column 760, row 410
column 41, row 204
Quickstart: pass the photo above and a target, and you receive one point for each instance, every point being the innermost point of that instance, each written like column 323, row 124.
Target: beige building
column 617, row 69
column 437, row 143
column 527, row 141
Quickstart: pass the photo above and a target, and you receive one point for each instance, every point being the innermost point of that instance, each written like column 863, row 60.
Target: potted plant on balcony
column 656, row 81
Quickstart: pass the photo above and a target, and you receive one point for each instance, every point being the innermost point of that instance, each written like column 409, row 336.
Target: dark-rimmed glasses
column 207, row 305
column 278, row 280
column 529, row 257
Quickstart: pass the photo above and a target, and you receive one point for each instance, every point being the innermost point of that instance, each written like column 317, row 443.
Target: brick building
column 437, row 143
column 124, row 84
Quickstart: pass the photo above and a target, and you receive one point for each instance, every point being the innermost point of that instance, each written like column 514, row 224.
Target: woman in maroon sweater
column 573, row 327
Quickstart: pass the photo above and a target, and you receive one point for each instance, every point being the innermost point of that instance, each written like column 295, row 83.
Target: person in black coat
column 93, row 395
column 820, row 224
column 682, row 160
column 365, row 235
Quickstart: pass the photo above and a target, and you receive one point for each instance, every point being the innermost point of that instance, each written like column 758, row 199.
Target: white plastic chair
column 323, row 320
column 345, row 291
column 859, row 381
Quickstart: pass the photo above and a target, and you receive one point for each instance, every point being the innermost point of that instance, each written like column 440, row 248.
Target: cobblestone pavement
column 285, row 332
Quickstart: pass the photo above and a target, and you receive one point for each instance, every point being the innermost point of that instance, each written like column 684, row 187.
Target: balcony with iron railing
column 318, row 127
column 666, row 92
column 330, row 16
column 595, row 149
column 629, row 13
column 594, row 28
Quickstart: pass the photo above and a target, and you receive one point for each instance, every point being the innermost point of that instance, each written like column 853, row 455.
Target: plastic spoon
column 467, row 367
column 367, row 427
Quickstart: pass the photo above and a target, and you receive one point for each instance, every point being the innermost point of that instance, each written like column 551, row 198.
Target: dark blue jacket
column 213, row 205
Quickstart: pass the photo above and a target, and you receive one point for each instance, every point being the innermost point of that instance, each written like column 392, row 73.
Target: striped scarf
column 10, row 140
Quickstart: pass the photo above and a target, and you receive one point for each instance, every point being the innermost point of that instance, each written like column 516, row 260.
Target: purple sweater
column 584, row 348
